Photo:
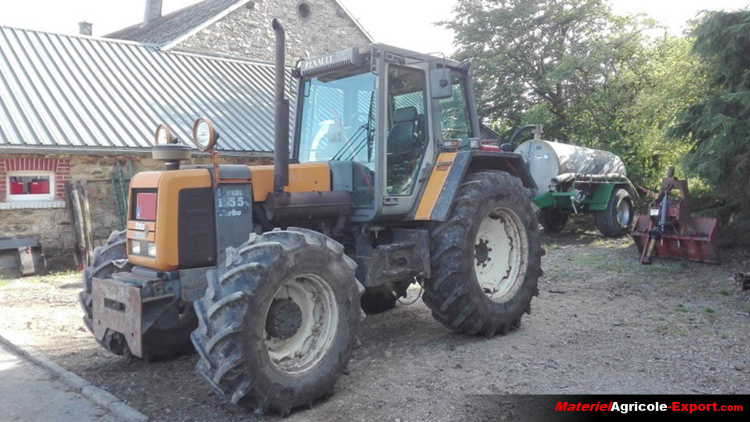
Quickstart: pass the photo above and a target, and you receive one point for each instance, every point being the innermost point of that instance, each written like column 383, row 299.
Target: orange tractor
column 267, row 269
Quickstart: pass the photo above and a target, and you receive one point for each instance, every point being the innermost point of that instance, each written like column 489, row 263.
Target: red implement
column 669, row 231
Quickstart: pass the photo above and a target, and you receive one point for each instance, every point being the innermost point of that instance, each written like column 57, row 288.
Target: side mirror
column 441, row 83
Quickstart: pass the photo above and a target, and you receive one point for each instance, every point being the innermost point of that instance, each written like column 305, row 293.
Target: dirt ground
column 602, row 324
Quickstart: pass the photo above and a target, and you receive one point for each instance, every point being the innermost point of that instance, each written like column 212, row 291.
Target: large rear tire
column 615, row 221
column 169, row 336
column 486, row 258
column 277, row 326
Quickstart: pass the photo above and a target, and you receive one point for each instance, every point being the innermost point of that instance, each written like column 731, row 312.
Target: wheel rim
column 316, row 313
column 500, row 251
column 623, row 213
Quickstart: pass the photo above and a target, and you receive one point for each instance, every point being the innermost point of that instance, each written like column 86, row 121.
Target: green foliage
column 631, row 115
column 596, row 78
column 527, row 53
column 587, row 75
column 718, row 125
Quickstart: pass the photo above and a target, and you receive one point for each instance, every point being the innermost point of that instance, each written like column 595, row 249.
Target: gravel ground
column 602, row 324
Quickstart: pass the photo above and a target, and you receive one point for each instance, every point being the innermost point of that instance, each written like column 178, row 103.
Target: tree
column 718, row 125
column 632, row 114
column 542, row 55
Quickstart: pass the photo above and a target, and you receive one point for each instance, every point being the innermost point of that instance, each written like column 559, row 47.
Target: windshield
column 338, row 119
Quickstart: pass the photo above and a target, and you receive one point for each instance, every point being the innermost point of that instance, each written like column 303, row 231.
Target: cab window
column 337, row 122
column 455, row 121
column 407, row 137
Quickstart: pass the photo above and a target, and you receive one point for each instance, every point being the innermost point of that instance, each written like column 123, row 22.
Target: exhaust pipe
column 281, row 118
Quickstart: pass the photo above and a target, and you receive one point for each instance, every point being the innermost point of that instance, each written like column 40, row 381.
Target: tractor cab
column 380, row 116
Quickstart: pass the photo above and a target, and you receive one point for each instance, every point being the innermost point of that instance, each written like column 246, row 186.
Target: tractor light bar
column 462, row 144
column 339, row 59
column 151, row 249
column 135, row 247
column 452, row 144
column 142, row 248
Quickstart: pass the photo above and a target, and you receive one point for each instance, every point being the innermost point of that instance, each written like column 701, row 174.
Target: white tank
column 547, row 160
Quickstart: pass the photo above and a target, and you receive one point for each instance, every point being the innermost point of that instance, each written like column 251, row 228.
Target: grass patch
column 709, row 311
column 590, row 260
column 724, row 292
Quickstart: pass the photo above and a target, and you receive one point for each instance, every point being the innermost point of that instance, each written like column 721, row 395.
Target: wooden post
column 75, row 219
column 87, row 219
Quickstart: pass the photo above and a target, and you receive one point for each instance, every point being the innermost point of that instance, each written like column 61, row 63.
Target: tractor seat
column 403, row 135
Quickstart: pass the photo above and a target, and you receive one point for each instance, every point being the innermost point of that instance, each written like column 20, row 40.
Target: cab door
column 454, row 125
column 409, row 149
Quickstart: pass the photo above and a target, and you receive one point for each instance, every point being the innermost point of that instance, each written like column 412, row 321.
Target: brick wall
column 59, row 166
column 247, row 31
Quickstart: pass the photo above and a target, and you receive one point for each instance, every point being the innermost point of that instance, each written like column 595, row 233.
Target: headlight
column 151, row 247
column 205, row 134
column 135, row 247
column 164, row 136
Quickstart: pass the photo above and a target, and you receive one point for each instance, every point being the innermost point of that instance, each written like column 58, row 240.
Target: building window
column 33, row 182
column 303, row 9
column 30, row 186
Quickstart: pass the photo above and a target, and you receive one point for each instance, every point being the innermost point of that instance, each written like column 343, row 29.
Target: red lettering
column 561, row 406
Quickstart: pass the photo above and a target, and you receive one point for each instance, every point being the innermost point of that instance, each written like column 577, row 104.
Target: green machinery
column 572, row 180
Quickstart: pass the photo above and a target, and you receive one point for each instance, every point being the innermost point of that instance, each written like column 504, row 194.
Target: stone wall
column 53, row 225
column 247, row 31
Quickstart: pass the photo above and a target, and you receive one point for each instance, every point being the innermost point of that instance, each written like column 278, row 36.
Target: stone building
column 241, row 28
column 81, row 108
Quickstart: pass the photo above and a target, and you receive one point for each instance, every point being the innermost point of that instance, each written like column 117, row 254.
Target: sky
column 404, row 23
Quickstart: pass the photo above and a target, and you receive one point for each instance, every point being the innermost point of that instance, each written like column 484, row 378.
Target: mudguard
column 449, row 171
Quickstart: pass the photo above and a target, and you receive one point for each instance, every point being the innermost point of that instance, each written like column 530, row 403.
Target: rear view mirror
column 441, row 83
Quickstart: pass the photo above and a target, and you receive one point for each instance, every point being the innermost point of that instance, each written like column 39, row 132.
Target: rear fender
column 449, row 172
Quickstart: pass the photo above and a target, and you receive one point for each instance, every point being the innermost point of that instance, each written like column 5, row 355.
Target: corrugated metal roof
column 88, row 93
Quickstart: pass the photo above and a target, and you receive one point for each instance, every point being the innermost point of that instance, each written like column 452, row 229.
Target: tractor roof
column 356, row 56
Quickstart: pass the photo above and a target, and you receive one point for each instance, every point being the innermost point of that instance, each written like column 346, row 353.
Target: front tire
column 277, row 326
column 168, row 337
column 102, row 266
column 615, row 221
column 486, row 258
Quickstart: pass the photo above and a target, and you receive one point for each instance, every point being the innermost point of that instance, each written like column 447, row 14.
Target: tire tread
column 447, row 293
